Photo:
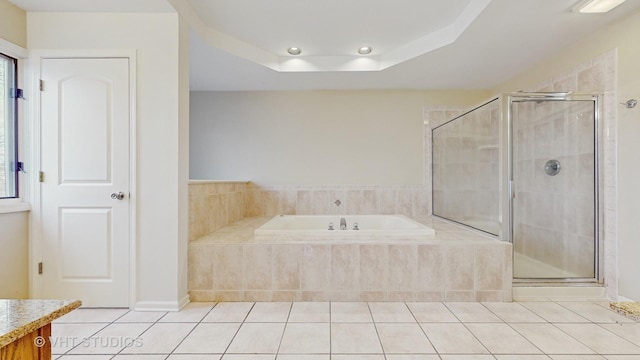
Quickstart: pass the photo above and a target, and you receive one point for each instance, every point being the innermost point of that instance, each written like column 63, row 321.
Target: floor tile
column 594, row 312
column 550, row 339
column 522, row 357
column 553, row 312
column 629, row 331
column 350, row 312
column 307, row 338
column 390, row 312
column 309, row 312
column 91, row 315
column 402, row 338
column 269, row 312
column 161, row 338
column 302, row 331
column 141, row 316
column 467, row 357
column 431, row 312
column 112, row 339
column 194, row 357
column 248, row 357
column 257, row 338
column 502, row 339
column 193, row 312
column 576, row 357
column 355, row 339
column 471, row 312
column 229, row 312
column 452, row 339
column 599, row 339
column 65, row 336
column 211, row 338
column 513, row 312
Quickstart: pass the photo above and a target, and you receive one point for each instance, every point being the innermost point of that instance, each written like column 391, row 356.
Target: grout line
column 237, row 331
column 373, row 321
column 284, row 329
column 422, row 329
column 190, row 332
column 330, row 332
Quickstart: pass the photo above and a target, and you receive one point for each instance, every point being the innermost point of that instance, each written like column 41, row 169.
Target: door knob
column 117, row 196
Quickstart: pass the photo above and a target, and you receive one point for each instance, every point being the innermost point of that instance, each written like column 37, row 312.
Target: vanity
column 25, row 326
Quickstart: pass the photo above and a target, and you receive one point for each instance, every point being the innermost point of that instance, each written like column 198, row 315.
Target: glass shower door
column 554, row 199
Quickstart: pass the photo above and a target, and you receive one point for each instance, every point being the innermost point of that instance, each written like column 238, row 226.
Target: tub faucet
column 343, row 224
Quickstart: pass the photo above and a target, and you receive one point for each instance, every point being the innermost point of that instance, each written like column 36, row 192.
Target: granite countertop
column 21, row 317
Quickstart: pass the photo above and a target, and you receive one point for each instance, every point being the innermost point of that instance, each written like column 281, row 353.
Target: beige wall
column 161, row 188
column 314, row 137
column 14, row 229
column 13, row 24
column 14, row 240
column 622, row 36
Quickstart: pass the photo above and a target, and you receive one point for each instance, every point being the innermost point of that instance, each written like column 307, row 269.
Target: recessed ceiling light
column 365, row 50
column 596, row 6
column 294, row 51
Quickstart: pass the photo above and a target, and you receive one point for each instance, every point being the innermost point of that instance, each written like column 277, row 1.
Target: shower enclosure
column 524, row 168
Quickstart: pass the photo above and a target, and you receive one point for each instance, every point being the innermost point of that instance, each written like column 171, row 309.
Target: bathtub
column 368, row 225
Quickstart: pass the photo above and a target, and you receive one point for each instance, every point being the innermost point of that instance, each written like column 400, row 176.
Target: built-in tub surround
column 409, row 200
column 232, row 264
column 214, row 205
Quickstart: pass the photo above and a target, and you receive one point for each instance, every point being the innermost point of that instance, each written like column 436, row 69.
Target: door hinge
column 39, row 268
column 15, row 93
column 41, row 85
column 41, row 176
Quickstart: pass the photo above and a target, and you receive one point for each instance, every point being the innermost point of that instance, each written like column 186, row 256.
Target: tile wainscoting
column 454, row 265
column 215, row 204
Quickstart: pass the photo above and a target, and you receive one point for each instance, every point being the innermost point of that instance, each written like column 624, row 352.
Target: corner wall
column 14, row 232
column 162, row 122
column 13, row 24
column 14, row 255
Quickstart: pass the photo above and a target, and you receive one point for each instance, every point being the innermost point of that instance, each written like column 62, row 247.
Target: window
column 8, row 127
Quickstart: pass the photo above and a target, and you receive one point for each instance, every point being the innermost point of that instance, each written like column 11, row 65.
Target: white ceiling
column 418, row 44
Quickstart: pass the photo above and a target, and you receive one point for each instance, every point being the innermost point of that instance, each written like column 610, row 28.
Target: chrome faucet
column 343, row 224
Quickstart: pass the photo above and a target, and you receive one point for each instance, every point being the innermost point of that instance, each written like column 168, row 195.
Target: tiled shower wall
column 599, row 76
column 554, row 215
column 465, row 168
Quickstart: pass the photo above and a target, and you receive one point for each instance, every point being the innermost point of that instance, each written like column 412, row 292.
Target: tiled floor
column 351, row 331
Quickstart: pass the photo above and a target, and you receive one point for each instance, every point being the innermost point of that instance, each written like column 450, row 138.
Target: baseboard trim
column 162, row 305
column 559, row 293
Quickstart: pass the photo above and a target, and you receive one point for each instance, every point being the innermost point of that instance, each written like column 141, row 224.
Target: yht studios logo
column 93, row 341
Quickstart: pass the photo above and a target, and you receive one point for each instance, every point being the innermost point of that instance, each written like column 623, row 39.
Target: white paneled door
column 85, row 181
